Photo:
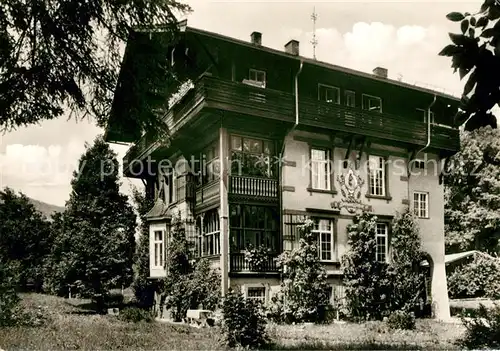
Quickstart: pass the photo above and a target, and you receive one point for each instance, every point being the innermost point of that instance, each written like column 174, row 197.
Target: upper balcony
column 218, row 94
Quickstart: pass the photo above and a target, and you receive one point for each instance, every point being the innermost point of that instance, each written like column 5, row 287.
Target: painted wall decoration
column 350, row 188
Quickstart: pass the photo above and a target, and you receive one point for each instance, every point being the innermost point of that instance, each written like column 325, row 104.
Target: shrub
column 401, row 320
column 243, row 324
column 114, row 300
column 9, row 300
column 303, row 296
column 205, row 289
column 135, row 315
column 482, row 330
column 479, row 278
column 367, row 283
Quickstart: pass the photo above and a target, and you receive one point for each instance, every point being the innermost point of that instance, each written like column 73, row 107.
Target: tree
column 407, row 278
column 472, row 194
column 475, row 54
column 368, row 286
column 143, row 287
column 25, row 237
column 65, row 54
column 178, row 268
column 94, row 250
column 303, row 296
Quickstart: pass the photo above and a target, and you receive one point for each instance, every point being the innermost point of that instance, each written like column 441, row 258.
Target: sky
column 402, row 36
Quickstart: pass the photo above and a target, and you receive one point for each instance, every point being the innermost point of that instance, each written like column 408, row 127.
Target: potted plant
column 257, row 257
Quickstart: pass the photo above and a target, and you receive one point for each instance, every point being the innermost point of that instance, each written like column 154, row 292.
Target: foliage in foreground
column 303, row 296
column 401, row 320
column 479, row 278
column 483, row 329
column 472, row 193
column 475, row 54
column 135, row 315
column 9, row 299
column 62, row 54
column 243, row 323
column 94, row 248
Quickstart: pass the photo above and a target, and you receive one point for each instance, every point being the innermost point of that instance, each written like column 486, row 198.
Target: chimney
column 256, row 38
column 380, row 72
column 292, row 47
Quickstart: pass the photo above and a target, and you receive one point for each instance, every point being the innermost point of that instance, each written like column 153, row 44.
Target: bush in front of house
column 303, row 296
column 243, row 323
column 401, row 320
column 375, row 289
column 135, row 315
column 483, row 329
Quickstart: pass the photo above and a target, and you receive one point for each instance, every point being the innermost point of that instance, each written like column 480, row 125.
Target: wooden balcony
column 256, row 188
column 238, row 264
column 214, row 93
column 207, row 194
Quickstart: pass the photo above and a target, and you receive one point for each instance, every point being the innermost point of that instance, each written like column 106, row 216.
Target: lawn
column 71, row 326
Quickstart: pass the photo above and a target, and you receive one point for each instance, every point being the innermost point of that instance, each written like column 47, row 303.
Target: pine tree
column 94, row 250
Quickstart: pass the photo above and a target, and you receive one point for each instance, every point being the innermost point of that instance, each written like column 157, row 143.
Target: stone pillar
column 224, row 210
column 439, row 289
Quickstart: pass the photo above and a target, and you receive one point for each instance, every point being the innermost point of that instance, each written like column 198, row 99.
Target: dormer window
column 257, row 77
column 372, row 103
column 328, row 94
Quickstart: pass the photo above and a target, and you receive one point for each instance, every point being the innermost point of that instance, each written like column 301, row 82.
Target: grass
column 71, row 325
column 429, row 334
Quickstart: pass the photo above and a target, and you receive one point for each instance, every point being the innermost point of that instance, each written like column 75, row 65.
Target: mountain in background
column 46, row 209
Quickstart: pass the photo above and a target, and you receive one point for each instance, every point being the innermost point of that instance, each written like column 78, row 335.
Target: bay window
column 159, row 248
column 252, row 157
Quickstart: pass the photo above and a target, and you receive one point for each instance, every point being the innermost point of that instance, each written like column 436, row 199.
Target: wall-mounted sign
column 350, row 187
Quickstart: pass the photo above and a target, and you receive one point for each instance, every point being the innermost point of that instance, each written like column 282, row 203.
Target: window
column 256, row 75
column 423, row 114
column 210, row 235
column 381, row 242
column 421, row 204
column 252, row 157
column 211, row 163
column 324, row 229
column 350, row 98
column 328, row 94
column 376, row 166
column 419, row 164
column 256, row 294
column 320, row 169
column 159, row 248
column 372, row 103
column 253, row 225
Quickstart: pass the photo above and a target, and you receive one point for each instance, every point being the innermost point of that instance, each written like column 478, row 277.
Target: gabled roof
column 314, row 62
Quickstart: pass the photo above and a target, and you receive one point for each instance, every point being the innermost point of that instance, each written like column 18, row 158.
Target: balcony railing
column 237, row 97
column 207, row 193
column 238, row 263
column 253, row 187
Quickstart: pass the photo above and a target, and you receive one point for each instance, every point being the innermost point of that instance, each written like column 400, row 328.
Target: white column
column 224, row 210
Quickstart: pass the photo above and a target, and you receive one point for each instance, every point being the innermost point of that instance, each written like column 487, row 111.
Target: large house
column 259, row 139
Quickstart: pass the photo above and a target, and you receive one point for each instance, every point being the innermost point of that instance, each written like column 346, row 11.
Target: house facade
column 259, row 139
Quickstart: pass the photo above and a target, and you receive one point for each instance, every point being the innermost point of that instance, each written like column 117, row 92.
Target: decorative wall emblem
column 350, row 187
